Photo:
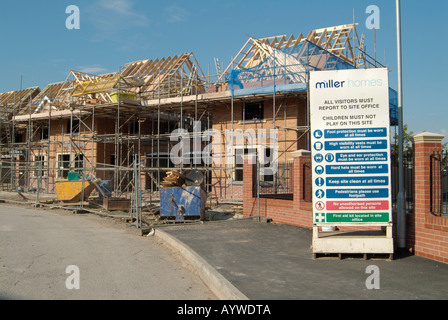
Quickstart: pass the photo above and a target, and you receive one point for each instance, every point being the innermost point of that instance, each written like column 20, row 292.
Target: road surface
column 48, row 254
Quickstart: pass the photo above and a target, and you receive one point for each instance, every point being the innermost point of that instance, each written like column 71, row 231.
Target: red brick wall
column 293, row 212
column 303, row 211
column 226, row 191
column 297, row 212
column 427, row 234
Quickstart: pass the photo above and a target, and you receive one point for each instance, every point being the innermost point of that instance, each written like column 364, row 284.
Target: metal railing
column 279, row 185
column 438, row 184
column 408, row 176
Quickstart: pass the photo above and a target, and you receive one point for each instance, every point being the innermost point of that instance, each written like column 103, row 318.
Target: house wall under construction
column 259, row 116
column 88, row 142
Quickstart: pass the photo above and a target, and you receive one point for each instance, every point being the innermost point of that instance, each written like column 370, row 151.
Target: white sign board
column 350, row 144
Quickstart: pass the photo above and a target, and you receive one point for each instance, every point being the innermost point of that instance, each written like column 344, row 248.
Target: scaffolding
column 118, row 126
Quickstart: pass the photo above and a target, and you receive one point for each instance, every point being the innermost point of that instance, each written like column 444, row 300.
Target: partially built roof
column 160, row 78
column 339, row 41
column 282, row 63
column 16, row 101
column 262, row 66
column 164, row 77
column 52, row 94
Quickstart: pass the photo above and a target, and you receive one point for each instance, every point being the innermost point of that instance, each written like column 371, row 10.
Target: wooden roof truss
column 338, row 40
column 16, row 101
column 54, row 95
column 165, row 77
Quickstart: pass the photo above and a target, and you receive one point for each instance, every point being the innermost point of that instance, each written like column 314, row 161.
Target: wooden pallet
column 359, row 256
column 72, row 204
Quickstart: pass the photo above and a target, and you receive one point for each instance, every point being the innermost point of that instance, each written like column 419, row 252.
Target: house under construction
column 103, row 125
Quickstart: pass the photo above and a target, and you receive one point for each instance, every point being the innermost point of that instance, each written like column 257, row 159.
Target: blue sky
column 35, row 43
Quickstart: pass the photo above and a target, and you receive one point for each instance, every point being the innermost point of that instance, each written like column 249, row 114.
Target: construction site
column 102, row 143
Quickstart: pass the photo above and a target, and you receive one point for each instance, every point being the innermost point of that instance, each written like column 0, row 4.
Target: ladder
column 188, row 89
column 360, row 59
column 217, row 66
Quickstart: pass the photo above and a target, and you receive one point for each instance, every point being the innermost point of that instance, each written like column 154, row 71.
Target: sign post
column 350, row 144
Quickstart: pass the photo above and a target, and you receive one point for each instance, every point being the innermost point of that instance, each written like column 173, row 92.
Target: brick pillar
column 429, row 233
column 424, row 145
column 248, row 200
column 303, row 187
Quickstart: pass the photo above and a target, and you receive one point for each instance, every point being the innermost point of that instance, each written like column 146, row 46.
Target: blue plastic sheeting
column 180, row 202
column 285, row 70
column 393, row 107
column 295, row 87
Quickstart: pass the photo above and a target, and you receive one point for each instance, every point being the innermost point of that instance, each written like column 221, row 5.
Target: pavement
column 43, row 252
column 246, row 259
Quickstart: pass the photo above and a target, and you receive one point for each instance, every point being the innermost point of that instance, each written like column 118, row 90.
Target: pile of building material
column 173, row 179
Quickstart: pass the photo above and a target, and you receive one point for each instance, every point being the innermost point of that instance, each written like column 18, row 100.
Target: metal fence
column 438, row 184
column 408, row 177
column 445, row 188
column 279, row 185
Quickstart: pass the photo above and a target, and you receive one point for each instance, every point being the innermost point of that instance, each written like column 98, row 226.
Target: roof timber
column 49, row 95
column 174, row 76
column 181, row 75
column 95, row 85
column 336, row 40
column 148, row 77
column 166, row 77
column 16, row 101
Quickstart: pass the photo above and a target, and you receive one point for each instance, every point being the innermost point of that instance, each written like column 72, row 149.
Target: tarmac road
column 114, row 262
column 268, row 261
